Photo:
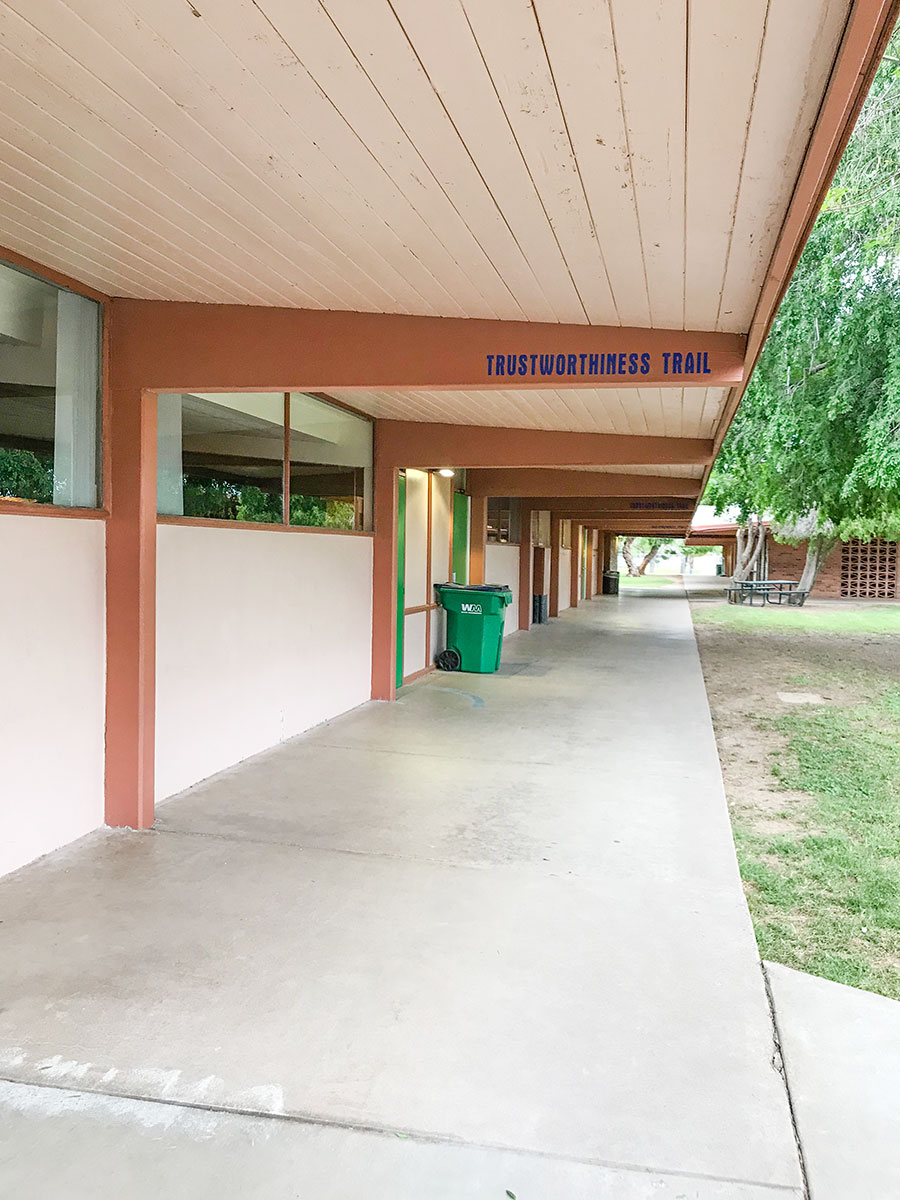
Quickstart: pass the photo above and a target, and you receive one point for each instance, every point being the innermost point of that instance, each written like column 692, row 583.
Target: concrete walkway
column 489, row 938
column 842, row 1056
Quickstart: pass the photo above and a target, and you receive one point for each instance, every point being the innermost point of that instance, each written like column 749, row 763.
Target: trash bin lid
column 473, row 587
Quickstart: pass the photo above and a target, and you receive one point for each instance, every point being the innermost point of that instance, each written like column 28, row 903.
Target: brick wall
column 787, row 562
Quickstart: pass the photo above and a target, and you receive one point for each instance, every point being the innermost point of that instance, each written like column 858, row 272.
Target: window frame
column 12, row 505
column 284, row 525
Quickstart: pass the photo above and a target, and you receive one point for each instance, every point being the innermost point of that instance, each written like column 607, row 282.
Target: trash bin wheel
column 448, row 660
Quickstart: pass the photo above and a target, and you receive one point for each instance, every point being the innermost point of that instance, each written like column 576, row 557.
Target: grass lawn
column 648, row 580
column 828, row 619
column 813, row 787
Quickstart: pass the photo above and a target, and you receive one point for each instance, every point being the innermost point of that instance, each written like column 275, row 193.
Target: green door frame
column 461, row 520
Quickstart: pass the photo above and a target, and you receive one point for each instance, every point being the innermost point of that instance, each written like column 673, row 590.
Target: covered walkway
column 490, row 937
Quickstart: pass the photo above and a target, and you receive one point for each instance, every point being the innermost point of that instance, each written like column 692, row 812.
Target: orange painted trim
column 526, row 553
column 27, row 508
column 384, row 575
column 477, row 538
column 217, row 523
column 555, row 543
column 326, row 398
column 169, row 345
column 14, row 259
column 431, row 443
column 575, row 565
column 131, row 611
column 418, row 674
column 419, row 608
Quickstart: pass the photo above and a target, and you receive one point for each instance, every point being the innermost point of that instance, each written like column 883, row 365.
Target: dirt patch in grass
column 813, row 790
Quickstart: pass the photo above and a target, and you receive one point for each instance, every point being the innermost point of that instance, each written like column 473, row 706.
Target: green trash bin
column 475, row 615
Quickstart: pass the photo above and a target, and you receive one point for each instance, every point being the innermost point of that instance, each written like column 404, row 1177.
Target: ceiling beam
column 542, row 481
column 643, row 507
column 600, row 506
column 433, row 444
column 178, row 346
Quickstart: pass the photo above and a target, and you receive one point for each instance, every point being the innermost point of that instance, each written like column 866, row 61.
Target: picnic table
column 770, row 591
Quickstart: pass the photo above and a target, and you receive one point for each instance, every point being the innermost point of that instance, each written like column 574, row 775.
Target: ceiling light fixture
column 447, row 472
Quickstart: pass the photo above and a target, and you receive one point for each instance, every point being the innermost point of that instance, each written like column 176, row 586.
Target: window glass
column 49, row 393
column 540, row 528
column 331, row 465
column 498, row 520
column 224, row 457
column 221, row 456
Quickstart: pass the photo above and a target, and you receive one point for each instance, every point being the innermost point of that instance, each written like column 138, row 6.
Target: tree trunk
column 750, row 542
column 817, row 550
column 649, row 557
column 626, row 554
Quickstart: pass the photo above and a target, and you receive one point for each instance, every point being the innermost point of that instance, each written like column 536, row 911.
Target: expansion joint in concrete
column 378, row 1130
column 779, row 1064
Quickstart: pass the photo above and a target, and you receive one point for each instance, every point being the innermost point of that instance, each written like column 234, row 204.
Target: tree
column 25, row 476
column 815, row 445
column 648, row 547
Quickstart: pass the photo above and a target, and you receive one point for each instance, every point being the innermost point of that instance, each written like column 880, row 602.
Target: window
column 330, row 465
column 49, row 393
column 502, row 520
column 228, row 457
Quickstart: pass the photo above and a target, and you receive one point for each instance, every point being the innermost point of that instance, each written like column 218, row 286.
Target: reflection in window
column 220, row 456
column 49, row 392
column 331, row 457
column 225, row 457
column 501, row 520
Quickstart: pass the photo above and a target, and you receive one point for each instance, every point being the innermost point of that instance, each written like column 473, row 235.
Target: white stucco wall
column 501, row 565
column 52, row 676
column 415, row 651
column 260, row 635
column 565, row 579
column 441, row 502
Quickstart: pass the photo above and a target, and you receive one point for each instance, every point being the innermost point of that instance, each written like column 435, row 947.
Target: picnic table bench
column 770, row 591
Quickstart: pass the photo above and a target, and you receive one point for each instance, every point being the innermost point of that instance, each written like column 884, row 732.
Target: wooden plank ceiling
column 666, row 412
column 607, row 162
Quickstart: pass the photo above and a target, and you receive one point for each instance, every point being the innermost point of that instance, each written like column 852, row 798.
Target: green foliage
column 25, row 476
column 231, row 501
column 818, row 432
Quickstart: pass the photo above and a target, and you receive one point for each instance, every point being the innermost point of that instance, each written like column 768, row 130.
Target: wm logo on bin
column 470, row 608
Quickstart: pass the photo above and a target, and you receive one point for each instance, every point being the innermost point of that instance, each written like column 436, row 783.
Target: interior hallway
column 488, row 937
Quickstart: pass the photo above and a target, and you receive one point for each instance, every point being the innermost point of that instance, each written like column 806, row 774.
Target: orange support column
column 477, row 538
column 555, row 538
column 526, row 553
column 131, row 608
column 384, row 578
column 574, row 590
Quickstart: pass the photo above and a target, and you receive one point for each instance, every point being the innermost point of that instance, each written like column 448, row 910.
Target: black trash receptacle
column 610, row 583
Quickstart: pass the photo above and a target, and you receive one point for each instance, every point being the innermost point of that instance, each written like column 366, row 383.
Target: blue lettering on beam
column 674, row 362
